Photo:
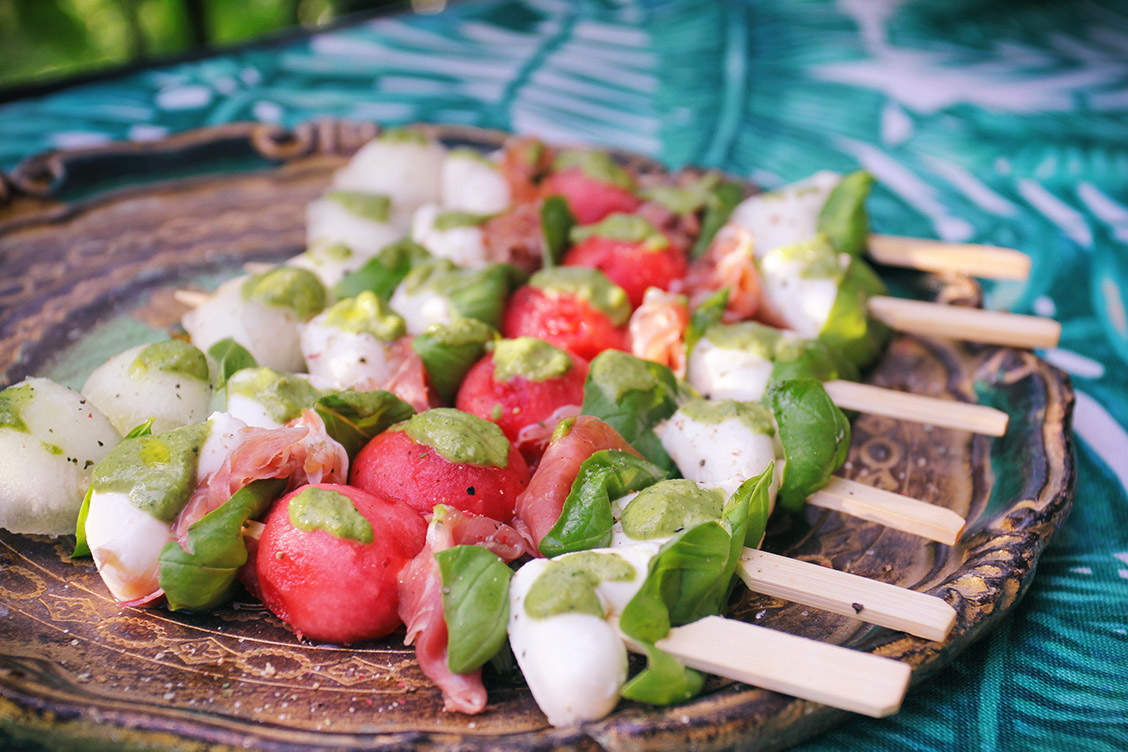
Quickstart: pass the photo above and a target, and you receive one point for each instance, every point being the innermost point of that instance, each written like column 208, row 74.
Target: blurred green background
column 45, row 40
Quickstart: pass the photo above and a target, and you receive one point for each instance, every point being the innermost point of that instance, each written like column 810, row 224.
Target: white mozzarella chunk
column 464, row 245
column 408, row 171
column 126, row 544
column 129, row 396
column 421, row 309
column 804, row 303
column 722, row 373
column 717, row 455
column 329, row 222
column 45, row 469
column 254, row 396
column 270, row 333
column 785, row 216
column 471, row 183
column 224, row 435
column 329, row 261
column 343, row 359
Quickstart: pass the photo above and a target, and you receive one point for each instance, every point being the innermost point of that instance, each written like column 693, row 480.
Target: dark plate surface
column 92, row 245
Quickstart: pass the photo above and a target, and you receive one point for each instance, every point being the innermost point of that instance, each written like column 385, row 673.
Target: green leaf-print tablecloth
column 1003, row 122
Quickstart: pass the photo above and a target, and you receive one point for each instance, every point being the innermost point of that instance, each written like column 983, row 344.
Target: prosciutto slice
column 657, row 329
column 421, row 600
column 539, row 505
column 729, row 262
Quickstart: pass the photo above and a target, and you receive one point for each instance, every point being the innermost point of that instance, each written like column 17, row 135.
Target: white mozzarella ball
column 226, row 432
column 264, row 398
column 329, row 261
column 421, row 308
column 45, row 469
column 722, row 373
column 575, row 664
column 717, row 455
column 329, row 222
column 406, row 169
column 126, row 544
column 128, row 393
column 343, row 359
column 270, row 333
column 804, row 303
column 785, row 216
column 472, row 183
column 465, row 245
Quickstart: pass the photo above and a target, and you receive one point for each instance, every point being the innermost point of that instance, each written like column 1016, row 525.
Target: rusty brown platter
column 92, row 244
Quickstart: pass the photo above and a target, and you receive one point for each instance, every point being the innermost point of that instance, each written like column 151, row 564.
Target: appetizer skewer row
column 429, row 412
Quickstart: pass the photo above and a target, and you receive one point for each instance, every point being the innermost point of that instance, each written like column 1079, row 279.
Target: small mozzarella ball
column 804, row 303
column 788, row 215
column 129, row 392
column 50, row 437
column 266, row 398
column 329, row 261
column 126, row 544
column 270, row 333
column 575, row 664
column 421, row 308
column 329, row 222
column 465, row 245
column 343, row 359
column 721, row 373
column 718, row 455
column 225, row 434
column 399, row 164
column 616, row 594
column 472, row 183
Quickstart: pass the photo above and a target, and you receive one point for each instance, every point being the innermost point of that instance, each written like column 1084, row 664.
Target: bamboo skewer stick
column 871, row 601
column 893, row 510
column 985, row 261
column 797, row 666
column 191, row 298
column 971, row 324
column 850, row 395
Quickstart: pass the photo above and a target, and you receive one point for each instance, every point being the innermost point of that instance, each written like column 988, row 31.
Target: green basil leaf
column 231, row 357
column 585, row 521
column 202, row 576
column 482, row 293
column 843, row 217
column 450, row 350
column 664, row 681
column 81, row 547
column 810, row 359
column 557, row 222
column 632, row 395
column 475, row 605
column 709, row 312
column 747, row 512
column 724, row 199
column 815, row 437
column 353, row 418
column 849, row 328
column 383, row 272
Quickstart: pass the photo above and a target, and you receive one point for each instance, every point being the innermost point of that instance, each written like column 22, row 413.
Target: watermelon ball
column 631, row 252
column 444, row 456
column 522, row 383
column 592, row 184
column 329, row 558
column 573, row 307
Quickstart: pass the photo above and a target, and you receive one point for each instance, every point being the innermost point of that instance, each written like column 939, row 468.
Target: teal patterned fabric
column 1003, row 122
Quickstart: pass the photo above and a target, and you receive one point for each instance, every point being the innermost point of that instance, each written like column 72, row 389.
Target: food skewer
column 875, row 400
column 984, row 261
column 893, row 510
column 848, row 594
column 970, row 324
column 797, row 666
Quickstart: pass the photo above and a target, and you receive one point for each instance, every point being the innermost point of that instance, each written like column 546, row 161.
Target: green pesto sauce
column 403, row 136
column 530, row 358
column 668, row 507
column 752, row 414
column 12, row 402
column 373, row 206
column 684, row 199
column 335, row 252
column 284, row 395
column 816, row 257
column 367, row 313
column 589, row 285
column 459, row 437
column 567, row 585
column 157, row 472
column 749, row 336
column 619, row 373
column 627, row 228
column 465, row 152
column 432, row 273
column 563, row 428
column 462, row 331
column 450, row 220
column 287, row 287
column 597, row 165
column 172, row 356
column 52, row 448
column 331, row 511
